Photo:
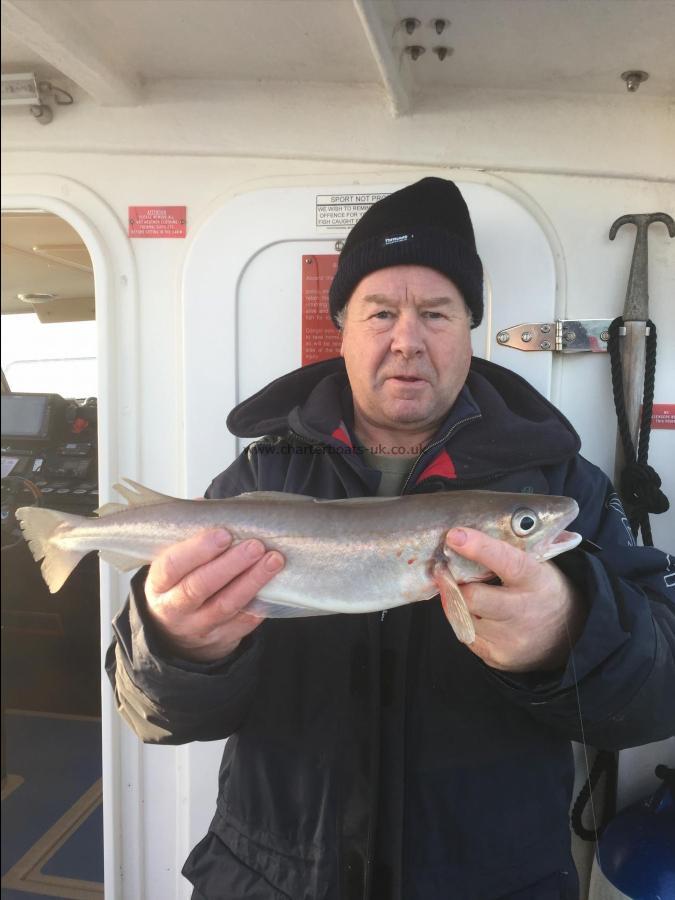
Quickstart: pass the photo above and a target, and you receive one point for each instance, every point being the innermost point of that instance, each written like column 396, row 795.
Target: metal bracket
column 561, row 336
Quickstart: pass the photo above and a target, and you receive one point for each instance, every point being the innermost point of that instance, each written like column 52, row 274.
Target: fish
column 354, row 555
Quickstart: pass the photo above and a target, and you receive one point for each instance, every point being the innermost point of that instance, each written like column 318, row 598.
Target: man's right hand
column 196, row 591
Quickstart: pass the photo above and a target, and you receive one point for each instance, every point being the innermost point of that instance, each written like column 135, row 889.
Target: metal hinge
column 562, row 336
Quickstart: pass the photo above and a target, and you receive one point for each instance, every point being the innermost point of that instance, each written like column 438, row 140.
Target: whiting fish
column 342, row 556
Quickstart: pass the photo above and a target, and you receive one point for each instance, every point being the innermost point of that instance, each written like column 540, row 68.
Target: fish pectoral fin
column 454, row 605
column 138, row 495
column 270, row 609
column 121, row 561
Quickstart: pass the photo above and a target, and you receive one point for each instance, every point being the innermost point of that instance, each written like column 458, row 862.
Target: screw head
column 604, row 335
column 526, row 337
column 414, row 51
column 545, row 345
column 544, row 328
column 339, row 245
column 569, row 336
column 410, row 24
column 503, row 337
column 634, row 79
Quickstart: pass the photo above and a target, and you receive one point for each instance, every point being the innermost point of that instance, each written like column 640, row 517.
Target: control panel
column 51, row 642
column 49, row 454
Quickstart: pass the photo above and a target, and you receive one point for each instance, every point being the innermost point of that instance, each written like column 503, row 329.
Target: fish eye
column 523, row 522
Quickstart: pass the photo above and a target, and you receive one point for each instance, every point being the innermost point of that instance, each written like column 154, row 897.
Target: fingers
column 521, row 628
column 509, row 563
column 219, row 624
column 203, row 566
column 491, row 653
column 224, row 638
column 206, row 580
column 192, row 641
column 200, row 615
column 174, row 563
column 238, row 593
column 486, row 601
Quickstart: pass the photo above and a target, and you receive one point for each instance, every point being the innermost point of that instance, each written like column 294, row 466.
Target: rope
column 605, row 764
column 640, row 490
column 640, row 485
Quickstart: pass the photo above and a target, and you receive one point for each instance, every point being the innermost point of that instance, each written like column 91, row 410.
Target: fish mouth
column 561, row 543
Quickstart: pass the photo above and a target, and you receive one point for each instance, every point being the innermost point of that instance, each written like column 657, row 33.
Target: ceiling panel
column 552, row 46
column 43, row 254
column 546, row 45
column 285, row 40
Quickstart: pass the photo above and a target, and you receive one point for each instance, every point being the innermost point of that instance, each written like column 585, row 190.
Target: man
column 374, row 756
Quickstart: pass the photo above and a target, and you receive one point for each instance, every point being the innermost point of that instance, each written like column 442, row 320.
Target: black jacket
column 379, row 754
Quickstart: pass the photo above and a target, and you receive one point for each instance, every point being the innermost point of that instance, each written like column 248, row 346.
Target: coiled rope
column 640, row 485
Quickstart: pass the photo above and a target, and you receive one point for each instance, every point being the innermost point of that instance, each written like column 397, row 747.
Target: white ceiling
column 42, row 254
column 112, row 48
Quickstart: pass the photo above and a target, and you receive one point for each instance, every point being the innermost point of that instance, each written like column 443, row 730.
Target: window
column 55, row 358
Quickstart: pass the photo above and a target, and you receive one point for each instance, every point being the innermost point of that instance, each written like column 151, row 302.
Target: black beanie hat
column 424, row 224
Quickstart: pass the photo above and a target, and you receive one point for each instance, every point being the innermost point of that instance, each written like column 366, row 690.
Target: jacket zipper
column 369, row 857
column 304, row 439
column 442, row 440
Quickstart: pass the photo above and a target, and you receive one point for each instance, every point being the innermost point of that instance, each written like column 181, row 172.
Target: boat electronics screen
column 27, row 416
column 49, row 452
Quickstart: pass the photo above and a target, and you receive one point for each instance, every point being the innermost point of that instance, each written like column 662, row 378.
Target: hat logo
column 396, row 240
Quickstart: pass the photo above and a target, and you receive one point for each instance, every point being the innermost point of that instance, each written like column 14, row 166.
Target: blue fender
column 636, row 852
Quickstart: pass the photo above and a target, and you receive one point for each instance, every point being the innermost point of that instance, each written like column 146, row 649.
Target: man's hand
column 196, row 591
column 531, row 620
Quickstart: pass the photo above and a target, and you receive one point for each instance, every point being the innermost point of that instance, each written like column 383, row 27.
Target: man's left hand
column 532, row 619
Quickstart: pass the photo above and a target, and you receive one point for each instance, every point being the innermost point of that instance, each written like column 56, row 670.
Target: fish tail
column 39, row 528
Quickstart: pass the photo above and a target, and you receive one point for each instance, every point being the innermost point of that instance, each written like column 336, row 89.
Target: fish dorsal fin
column 362, row 501
column 272, row 495
column 138, row 495
column 304, row 498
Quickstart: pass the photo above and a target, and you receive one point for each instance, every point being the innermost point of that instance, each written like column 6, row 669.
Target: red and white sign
column 663, row 415
column 320, row 338
column 157, row 221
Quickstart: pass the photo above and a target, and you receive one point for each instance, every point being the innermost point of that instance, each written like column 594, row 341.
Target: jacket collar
column 498, row 424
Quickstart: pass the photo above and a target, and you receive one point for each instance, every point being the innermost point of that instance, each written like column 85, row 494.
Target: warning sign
column 157, row 221
column 663, row 415
column 320, row 338
column 341, row 211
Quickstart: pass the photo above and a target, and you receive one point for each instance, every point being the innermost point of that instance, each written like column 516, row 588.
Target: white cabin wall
column 580, row 211
column 583, row 160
